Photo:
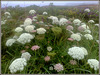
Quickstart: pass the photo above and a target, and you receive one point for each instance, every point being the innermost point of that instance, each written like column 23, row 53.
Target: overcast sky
column 43, row 3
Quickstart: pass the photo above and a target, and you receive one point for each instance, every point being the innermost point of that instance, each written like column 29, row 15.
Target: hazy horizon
column 45, row 3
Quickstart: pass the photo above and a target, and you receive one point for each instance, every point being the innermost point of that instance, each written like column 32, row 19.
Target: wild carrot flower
column 80, row 28
column 26, row 55
column 18, row 65
column 58, row 67
column 76, row 37
column 32, row 12
column 33, row 31
column 25, row 38
column 29, row 28
column 87, row 10
column 35, row 47
column 70, row 27
column 73, row 62
column 49, row 48
column 23, row 51
column 10, row 42
column 45, row 13
column 96, row 25
column 91, row 21
column 47, row 58
column 88, row 36
column 97, row 41
column 27, row 21
column 63, row 21
column 76, row 53
column 18, row 29
column 77, row 22
column 93, row 63
column 70, row 39
column 41, row 31
column 50, row 68
column 7, row 13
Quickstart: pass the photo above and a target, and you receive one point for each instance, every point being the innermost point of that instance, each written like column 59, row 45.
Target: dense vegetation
column 55, row 37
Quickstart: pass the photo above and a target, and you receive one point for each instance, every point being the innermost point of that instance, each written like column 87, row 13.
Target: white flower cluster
column 50, row 17
column 29, row 28
column 41, row 31
column 77, row 22
column 7, row 13
column 91, row 21
column 27, row 21
column 8, row 16
column 25, row 38
column 87, row 31
column 18, row 29
column 45, row 13
column 93, row 63
column 49, row 48
column 76, row 37
column 86, row 28
column 3, row 22
column 63, row 21
column 54, row 19
column 17, row 65
column 58, row 67
column 84, row 50
column 35, row 18
column 50, row 68
column 96, row 25
column 26, row 55
column 97, row 41
column 87, row 10
column 32, row 12
column 77, row 52
column 88, row 36
column 10, row 42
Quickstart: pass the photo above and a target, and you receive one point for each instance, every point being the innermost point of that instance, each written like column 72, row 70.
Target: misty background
column 46, row 3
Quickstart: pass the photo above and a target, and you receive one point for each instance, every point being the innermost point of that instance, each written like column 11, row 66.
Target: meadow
column 49, row 40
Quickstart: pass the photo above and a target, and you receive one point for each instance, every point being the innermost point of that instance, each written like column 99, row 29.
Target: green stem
column 95, row 71
column 54, row 40
column 35, row 53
